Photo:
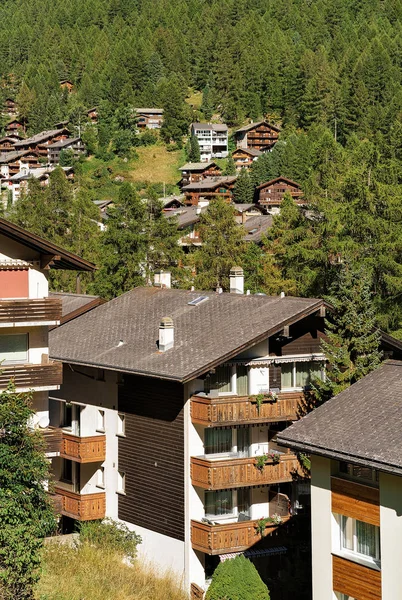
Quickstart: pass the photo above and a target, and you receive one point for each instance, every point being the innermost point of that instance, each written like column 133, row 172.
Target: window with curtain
column 360, row 473
column 300, row 374
column 221, row 380
column 360, row 538
column 241, row 380
column 217, row 440
column 243, row 502
column 219, row 503
column 14, row 348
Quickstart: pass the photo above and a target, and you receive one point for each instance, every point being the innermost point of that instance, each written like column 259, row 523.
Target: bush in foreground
column 110, row 535
column 237, row 579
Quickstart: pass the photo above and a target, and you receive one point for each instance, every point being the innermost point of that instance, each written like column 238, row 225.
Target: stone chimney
column 166, row 334
column 162, row 279
column 236, row 280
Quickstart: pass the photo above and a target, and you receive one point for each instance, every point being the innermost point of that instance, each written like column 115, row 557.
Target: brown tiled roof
column 62, row 259
column 122, row 334
column 253, row 125
column 361, row 425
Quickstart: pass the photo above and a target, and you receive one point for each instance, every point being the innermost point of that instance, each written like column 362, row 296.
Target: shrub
column 237, row 579
column 110, row 535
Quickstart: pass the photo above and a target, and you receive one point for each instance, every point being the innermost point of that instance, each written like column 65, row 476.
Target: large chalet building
column 244, row 157
column 259, row 136
column 26, row 313
column 270, row 194
column 40, row 142
column 149, row 118
column 170, row 407
column 193, row 172
column 356, row 488
column 204, row 190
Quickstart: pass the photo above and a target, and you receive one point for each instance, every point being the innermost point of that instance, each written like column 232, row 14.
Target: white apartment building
column 212, row 139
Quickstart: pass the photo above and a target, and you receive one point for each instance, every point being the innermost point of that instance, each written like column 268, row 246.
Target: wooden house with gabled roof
column 270, row 193
column 244, row 157
column 193, row 172
column 14, row 126
column 260, row 136
column 211, row 187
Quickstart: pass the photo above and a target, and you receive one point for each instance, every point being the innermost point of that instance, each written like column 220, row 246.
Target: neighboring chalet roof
column 277, row 180
column 187, row 215
column 361, row 425
column 209, row 183
column 250, row 151
column 245, row 207
column 122, row 334
column 257, row 124
column 43, row 136
column 64, row 143
column 213, row 126
column 75, row 305
column 256, row 227
column 199, row 166
column 8, row 157
column 10, row 138
column 58, row 257
column 149, row 111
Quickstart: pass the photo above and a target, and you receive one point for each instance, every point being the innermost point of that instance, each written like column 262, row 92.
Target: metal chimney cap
column 237, row 271
column 166, row 323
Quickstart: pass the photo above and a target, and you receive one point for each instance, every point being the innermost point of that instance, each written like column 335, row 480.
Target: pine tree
column 243, row 191
column 230, row 168
column 222, row 246
column 26, row 516
column 123, row 246
column 352, row 346
column 194, row 153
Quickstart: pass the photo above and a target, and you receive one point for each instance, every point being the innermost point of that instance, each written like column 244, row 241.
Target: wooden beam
column 46, row 260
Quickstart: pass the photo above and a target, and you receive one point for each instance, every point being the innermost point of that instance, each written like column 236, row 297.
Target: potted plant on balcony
column 275, row 457
column 261, row 524
column 258, row 399
column 260, row 461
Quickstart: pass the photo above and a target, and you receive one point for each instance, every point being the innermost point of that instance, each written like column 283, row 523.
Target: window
column 220, row 380
column 359, row 538
column 218, row 441
column 14, row 348
column 300, row 374
column 67, row 470
column 121, row 482
column 101, row 421
column 121, row 424
column 100, row 478
column 219, row 503
column 364, row 474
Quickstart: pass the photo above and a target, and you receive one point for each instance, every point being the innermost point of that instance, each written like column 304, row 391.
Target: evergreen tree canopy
column 243, row 189
column 237, row 579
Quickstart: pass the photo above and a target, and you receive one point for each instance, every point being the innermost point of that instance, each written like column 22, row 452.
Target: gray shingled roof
column 72, row 302
column 209, row 183
column 361, row 425
column 64, row 143
column 256, row 227
column 39, row 137
column 197, row 166
column 252, row 125
column 213, row 126
column 122, row 334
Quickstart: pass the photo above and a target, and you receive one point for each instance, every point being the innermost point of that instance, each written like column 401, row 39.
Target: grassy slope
column 90, row 573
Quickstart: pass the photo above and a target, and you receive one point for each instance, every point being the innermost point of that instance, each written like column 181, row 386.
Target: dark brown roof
column 276, row 180
column 122, row 334
column 361, row 425
column 253, row 125
column 62, row 259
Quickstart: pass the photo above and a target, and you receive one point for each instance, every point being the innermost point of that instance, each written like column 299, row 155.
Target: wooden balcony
column 32, row 377
column 41, row 311
column 241, row 472
column 83, row 449
column 53, row 440
column 83, row 507
column 228, row 537
column 232, row 410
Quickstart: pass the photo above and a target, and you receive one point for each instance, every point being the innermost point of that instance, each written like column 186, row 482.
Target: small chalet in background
column 7, row 143
column 92, row 115
column 192, row 172
column 212, row 139
column 76, row 145
column 12, row 163
column 260, row 136
column 244, row 157
column 270, row 194
column 9, row 107
column 149, row 118
column 201, row 192
column 66, row 84
column 14, row 126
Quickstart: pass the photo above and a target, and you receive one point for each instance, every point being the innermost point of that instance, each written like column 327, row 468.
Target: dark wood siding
column 305, row 338
column 152, row 455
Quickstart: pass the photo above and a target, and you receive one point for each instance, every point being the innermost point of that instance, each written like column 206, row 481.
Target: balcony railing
column 239, row 472
column 53, row 440
column 41, row 311
column 83, row 507
column 230, row 410
column 32, row 377
column 228, row 537
column 83, row 449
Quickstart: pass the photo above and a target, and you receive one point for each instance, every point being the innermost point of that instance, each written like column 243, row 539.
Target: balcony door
column 70, row 421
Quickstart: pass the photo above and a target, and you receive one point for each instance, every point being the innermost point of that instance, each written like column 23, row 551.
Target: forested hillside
column 337, row 62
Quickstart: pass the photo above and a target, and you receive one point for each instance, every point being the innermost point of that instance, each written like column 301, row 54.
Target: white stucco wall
column 37, row 284
column 391, row 535
column 321, row 528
